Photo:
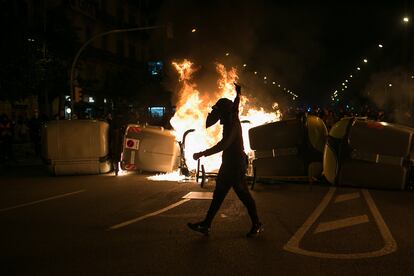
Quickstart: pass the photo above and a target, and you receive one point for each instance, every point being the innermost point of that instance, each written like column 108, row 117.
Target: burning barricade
column 193, row 108
column 290, row 149
column 370, row 154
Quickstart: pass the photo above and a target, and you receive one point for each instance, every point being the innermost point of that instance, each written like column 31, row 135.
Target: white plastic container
column 289, row 148
column 73, row 147
column 369, row 154
column 150, row 148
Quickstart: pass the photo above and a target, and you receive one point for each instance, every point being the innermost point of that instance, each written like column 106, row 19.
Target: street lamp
column 387, row 87
column 75, row 60
column 406, row 19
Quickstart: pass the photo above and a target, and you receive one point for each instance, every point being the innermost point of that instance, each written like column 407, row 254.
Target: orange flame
column 192, row 110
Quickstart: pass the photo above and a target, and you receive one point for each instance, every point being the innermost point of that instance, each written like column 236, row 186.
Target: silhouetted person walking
column 232, row 172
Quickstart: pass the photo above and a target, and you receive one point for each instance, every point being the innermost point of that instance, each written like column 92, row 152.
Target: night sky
column 309, row 48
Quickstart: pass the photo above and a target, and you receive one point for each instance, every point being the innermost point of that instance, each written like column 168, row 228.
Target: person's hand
column 197, row 155
column 238, row 88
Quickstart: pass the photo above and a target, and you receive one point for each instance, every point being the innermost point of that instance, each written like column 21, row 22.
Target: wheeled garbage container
column 150, row 149
column 71, row 147
column 371, row 154
column 289, row 148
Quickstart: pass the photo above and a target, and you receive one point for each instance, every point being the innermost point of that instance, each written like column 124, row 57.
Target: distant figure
column 234, row 164
column 6, row 138
column 35, row 126
column 330, row 119
column 21, row 130
column 117, row 129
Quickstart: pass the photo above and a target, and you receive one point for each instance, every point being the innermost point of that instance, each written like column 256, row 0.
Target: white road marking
column 199, row 195
column 293, row 243
column 40, row 201
column 346, row 197
column 390, row 245
column 341, row 223
column 128, row 222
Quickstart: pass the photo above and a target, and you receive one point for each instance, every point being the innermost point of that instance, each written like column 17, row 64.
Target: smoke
column 392, row 91
column 280, row 42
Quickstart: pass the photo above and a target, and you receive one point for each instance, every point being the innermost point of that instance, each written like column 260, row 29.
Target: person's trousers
column 230, row 177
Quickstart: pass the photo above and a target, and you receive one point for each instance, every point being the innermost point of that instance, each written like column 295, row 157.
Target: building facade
column 116, row 71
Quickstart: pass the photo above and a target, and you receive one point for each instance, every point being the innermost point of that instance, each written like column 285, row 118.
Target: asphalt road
column 127, row 225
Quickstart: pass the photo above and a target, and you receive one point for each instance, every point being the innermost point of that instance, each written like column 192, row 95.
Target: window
column 132, row 19
column 155, row 68
column 156, row 112
column 120, row 47
column 104, row 42
column 132, row 53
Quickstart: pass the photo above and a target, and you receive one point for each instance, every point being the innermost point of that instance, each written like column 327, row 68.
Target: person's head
column 222, row 111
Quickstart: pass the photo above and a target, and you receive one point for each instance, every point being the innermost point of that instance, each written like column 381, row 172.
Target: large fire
column 193, row 108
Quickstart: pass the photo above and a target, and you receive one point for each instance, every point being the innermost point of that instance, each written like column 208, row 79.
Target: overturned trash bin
column 150, row 149
column 370, row 154
column 289, row 149
column 73, row 147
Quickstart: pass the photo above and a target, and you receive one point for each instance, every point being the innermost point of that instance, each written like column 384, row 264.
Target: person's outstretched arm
column 220, row 146
column 236, row 101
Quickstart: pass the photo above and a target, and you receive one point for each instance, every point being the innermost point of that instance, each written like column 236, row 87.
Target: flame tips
column 193, row 107
column 184, row 69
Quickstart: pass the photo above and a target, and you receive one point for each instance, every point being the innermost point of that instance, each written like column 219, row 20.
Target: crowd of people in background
column 23, row 130
column 332, row 115
column 20, row 130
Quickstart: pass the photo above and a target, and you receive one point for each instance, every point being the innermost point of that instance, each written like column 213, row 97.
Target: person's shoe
column 199, row 227
column 256, row 229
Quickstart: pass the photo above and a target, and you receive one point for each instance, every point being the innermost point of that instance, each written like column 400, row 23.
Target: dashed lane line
column 346, row 197
column 128, row 222
column 390, row 245
column 341, row 223
column 40, row 201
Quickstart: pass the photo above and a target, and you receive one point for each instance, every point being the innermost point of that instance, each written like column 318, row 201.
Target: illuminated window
column 155, row 68
column 156, row 112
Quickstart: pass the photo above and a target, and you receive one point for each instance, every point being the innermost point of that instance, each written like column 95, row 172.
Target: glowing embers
column 172, row 176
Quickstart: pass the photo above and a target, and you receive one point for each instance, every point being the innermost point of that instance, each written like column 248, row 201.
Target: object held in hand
column 238, row 88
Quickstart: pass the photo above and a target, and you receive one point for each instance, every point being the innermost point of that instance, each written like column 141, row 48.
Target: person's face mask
column 212, row 117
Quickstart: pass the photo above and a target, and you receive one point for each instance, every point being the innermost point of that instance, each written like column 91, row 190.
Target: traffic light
column 78, row 94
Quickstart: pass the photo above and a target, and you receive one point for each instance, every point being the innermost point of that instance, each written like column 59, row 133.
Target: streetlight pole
column 407, row 55
column 72, row 71
column 387, row 105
